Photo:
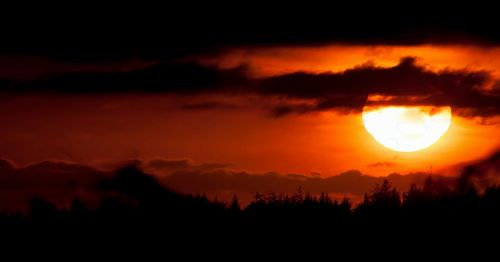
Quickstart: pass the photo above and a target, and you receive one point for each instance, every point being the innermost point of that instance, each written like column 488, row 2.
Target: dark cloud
column 382, row 164
column 404, row 79
column 470, row 93
column 162, row 166
column 348, row 183
column 208, row 106
column 61, row 182
column 481, row 174
column 215, row 177
column 180, row 78
column 56, row 181
column 286, row 109
column 404, row 84
column 169, row 166
column 131, row 182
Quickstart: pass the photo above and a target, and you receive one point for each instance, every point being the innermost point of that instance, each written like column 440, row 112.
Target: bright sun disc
column 406, row 128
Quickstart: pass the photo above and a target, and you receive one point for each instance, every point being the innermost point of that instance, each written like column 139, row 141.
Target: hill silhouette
column 135, row 205
column 59, row 182
column 135, row 199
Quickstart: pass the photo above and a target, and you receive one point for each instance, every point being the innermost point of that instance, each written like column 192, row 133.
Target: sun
column 406, row 128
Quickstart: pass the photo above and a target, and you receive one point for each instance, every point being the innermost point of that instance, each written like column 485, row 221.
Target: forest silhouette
column 138, row 205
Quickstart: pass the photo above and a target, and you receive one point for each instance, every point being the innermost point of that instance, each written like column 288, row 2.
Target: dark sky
column 116, row 31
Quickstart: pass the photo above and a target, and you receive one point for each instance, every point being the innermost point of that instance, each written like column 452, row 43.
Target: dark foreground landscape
column 140, row 211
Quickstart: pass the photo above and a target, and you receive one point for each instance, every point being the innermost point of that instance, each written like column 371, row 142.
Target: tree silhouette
column 140, row 204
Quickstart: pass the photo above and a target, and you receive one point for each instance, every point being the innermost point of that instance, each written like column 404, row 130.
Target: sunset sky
column 240, row 128
column 284, row 97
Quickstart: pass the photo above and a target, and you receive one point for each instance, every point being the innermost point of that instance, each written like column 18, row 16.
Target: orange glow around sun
column 410, row 138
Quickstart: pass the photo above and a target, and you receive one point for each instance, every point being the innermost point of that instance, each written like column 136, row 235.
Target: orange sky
column 97, row 129
column 336, row 58
column 465, row 140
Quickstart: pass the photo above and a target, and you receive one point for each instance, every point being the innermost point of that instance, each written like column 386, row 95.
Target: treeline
column 137, row 203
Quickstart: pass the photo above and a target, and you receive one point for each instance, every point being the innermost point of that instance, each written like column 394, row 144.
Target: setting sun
column 406, row 129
